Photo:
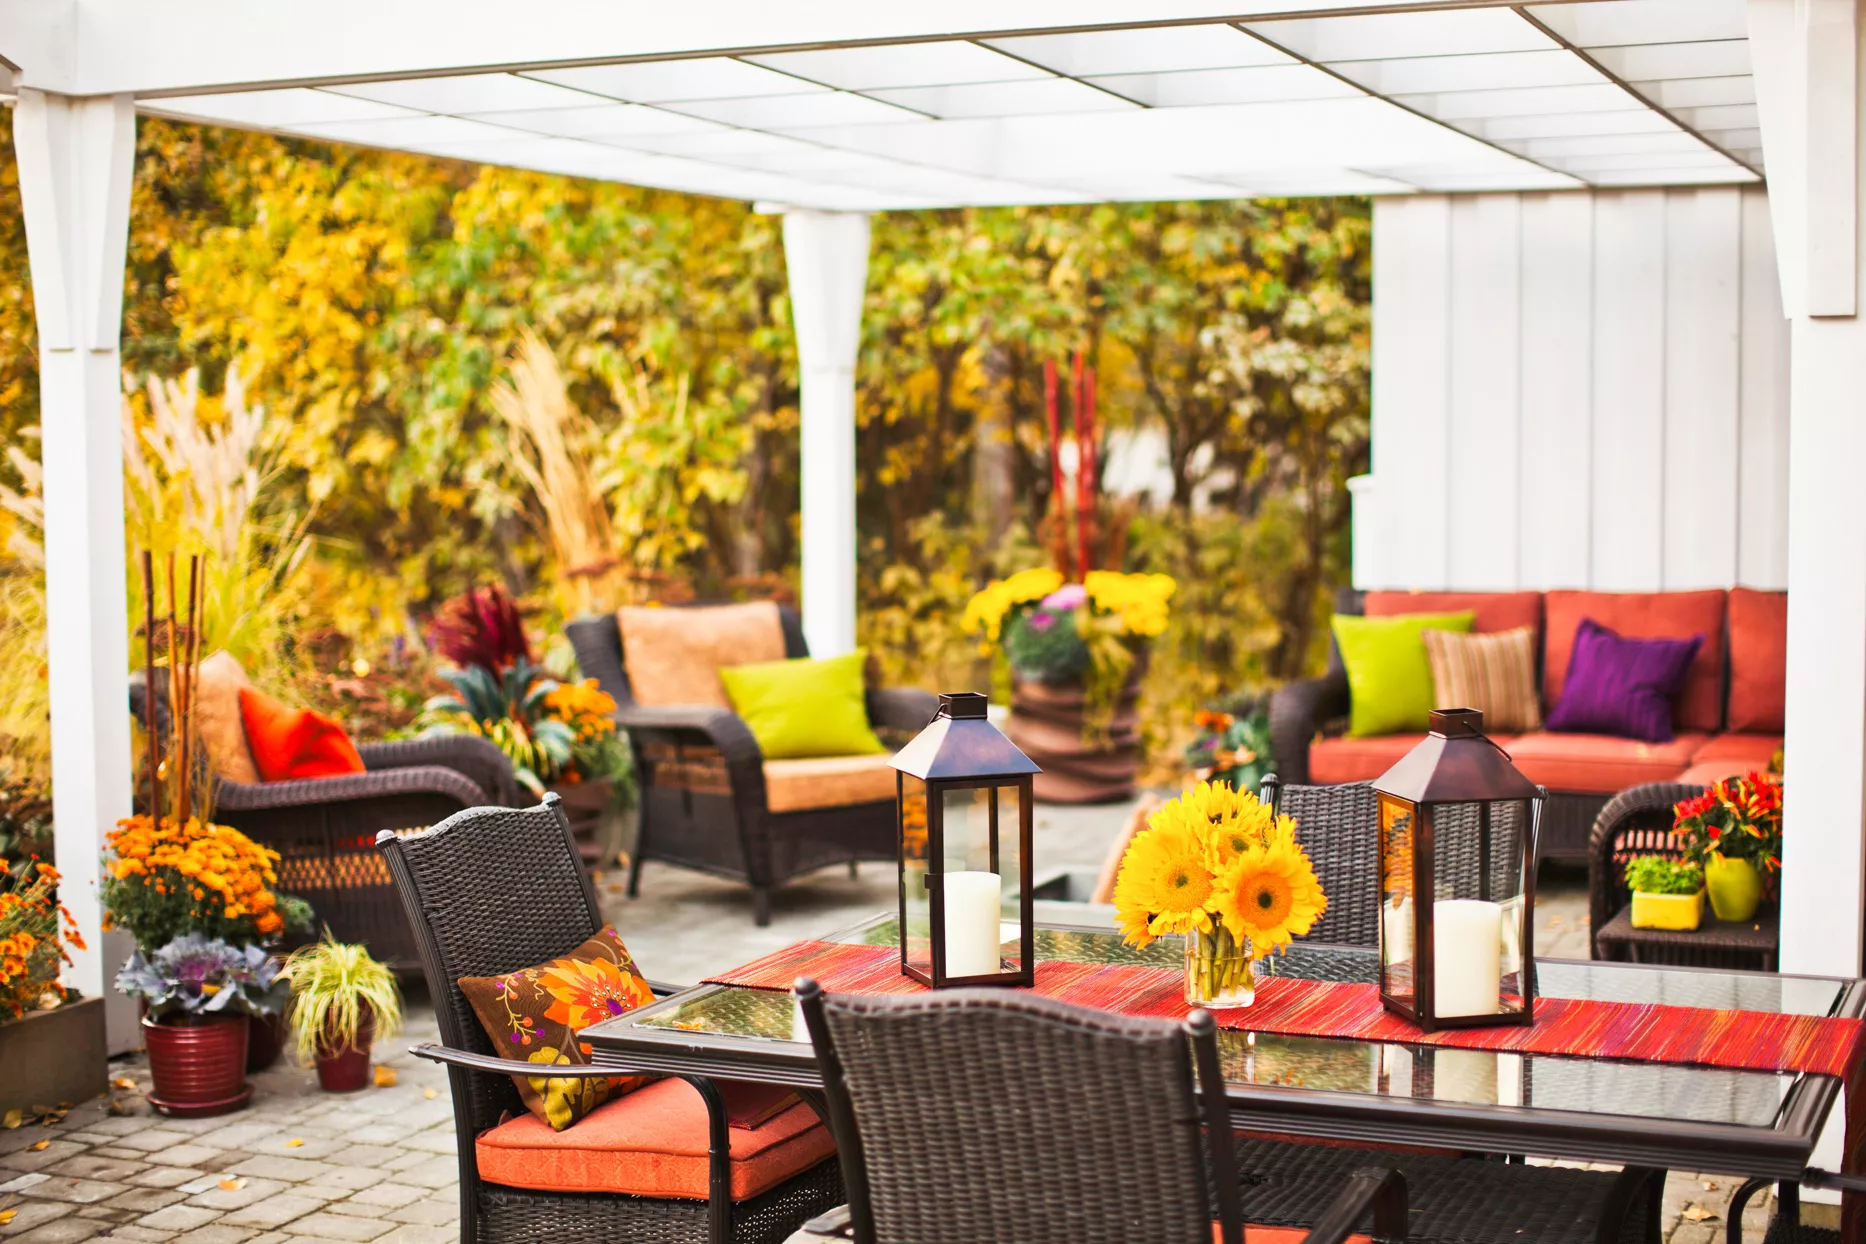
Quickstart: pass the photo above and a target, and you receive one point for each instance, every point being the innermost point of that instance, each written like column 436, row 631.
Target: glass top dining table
column 1760, row 1123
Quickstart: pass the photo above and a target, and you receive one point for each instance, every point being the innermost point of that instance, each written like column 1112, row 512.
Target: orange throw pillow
column 292, row 743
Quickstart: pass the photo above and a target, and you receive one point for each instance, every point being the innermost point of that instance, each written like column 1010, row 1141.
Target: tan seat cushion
column 217, row 713
column 828, row 781
column 673, row 656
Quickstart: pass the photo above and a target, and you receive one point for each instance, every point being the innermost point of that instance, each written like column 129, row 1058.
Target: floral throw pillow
column 535, row 1014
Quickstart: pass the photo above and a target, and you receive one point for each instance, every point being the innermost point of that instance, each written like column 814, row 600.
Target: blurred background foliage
column 367, row 305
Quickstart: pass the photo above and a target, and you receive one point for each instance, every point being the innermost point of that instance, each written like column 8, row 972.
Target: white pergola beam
column 180, row 45
column 826, row 255
column 76, row 162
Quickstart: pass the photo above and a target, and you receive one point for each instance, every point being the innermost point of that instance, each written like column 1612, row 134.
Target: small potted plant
column 1733, row 831
column 200, row 993
column 1667, row 894
column 342, row 1001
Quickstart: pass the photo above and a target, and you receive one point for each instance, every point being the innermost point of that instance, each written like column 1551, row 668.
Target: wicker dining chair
column 494, row 890
column 974, row 1115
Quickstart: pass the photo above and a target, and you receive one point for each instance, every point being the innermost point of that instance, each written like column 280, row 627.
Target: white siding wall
column 1576, row 390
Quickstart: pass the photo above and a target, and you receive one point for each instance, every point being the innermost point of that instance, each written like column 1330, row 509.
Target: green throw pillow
column 1389, row 674
column 804, row 707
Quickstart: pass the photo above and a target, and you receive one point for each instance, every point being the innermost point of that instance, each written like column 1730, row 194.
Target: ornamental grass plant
column 338, row 992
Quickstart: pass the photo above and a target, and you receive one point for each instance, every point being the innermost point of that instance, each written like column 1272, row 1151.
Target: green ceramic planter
column 1735, row 887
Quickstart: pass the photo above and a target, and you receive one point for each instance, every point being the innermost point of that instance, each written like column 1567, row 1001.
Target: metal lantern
column 963, row 798
column 1458, row 828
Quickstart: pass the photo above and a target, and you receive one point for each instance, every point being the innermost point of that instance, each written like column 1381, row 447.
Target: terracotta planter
column 54, row 1056
column 586, row 806
column 1046, row 723
column 198, row 1064
column 347, row 1070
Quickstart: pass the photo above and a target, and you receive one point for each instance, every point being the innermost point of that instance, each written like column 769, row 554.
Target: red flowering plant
column 1737, row 818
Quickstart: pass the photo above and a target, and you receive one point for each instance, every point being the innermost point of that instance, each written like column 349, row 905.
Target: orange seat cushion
column 1758, row 660
column 1600, row 764
column 1344, row 759
column 1730, row 755
column 828, row 781
column 650, row 1143
column 1491, row 611
column 290, row 743
column 1254, row 1234
column 1645, row 615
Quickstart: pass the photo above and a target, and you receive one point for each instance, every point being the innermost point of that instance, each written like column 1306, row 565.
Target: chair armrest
column 477, row 758
column 1297, row 712
column 355, row 788
column 661, row 989
column 725, row 730
column 1648, row 806
column 906, row 709
column 510, row 1066
column 1382, row 1188
column 836, row 1224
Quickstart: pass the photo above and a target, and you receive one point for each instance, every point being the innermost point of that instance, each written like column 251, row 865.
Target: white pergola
column 832, row 110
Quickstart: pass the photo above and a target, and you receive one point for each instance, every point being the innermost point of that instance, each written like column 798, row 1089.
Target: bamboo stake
column 190, row 645
column 174, row 679
column 149, row 706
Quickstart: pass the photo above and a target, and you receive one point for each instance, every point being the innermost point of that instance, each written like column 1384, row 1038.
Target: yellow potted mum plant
column 1218, row 868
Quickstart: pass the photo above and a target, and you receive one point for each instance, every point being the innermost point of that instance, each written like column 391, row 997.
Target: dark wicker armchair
column 704, row 798
column 324, row 829
column 490, row 891
column 1339, row 826
column 976, row 1115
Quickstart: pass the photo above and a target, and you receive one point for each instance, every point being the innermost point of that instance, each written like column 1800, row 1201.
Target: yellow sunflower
column 1164, row 885
column 1269, row 894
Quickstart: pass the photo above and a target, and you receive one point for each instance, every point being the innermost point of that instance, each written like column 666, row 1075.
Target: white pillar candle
column 972, row 900
column 1396, row 927
column 1466, row 956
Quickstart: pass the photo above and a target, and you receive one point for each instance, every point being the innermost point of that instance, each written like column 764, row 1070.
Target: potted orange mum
column 1217, row 867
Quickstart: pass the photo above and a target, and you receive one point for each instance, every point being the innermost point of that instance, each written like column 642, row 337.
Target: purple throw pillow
column 1623, row 686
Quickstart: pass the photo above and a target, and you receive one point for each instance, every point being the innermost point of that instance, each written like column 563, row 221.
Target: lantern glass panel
column 1397, row 834
column 916, row 914
column 981, row 865
column 1479, row 857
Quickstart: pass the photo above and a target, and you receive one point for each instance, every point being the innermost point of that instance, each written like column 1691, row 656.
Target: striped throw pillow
column 1493, row 672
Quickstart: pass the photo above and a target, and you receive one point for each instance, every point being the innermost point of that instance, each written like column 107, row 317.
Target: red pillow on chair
column 292, row 743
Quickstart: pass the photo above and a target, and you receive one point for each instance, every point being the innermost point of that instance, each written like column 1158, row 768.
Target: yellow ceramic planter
column 1675, row 912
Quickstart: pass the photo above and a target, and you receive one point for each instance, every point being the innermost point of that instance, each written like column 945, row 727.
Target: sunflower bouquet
column 1219, row 868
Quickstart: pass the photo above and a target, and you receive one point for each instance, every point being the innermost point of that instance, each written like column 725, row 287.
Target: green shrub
column 1654, row 874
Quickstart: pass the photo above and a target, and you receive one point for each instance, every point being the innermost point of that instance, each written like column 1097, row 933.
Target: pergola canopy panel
column 1463, row 97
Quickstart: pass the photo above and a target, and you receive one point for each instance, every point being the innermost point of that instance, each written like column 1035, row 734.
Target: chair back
column 489, row 891
column 597, row 640
column 1339, row 827
column 976, row 1114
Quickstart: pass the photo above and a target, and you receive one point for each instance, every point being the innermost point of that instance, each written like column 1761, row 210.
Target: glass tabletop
column 1480, row 1077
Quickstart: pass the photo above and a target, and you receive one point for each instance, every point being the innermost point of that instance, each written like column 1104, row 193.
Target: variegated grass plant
column 337, row 988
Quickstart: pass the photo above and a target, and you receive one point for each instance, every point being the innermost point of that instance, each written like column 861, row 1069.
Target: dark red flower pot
column 265, row 1040
column 346, row 1071
column 198, row 1064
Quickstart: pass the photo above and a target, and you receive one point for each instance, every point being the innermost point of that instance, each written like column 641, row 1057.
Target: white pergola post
column 826, row 254
column 1807, row 59
column 76, row 161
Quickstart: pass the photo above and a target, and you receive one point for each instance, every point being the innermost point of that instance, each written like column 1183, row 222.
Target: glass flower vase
column 1220, row 970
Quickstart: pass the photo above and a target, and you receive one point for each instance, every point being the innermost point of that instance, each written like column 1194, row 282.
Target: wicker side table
column 1748, row 944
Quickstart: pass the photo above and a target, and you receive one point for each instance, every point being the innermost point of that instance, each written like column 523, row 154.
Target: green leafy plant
column 1655, row 874
column 337, row 988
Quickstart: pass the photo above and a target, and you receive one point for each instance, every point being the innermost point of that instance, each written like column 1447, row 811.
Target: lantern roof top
column 960, row 742
column 1456, row 763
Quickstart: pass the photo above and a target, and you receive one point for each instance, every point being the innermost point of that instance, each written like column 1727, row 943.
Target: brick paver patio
column 378, row 1167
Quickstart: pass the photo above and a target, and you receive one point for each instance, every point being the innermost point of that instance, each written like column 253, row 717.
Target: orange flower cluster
column 583, row 707
column 1737, row 817
column 172, row 878
column 29, row 938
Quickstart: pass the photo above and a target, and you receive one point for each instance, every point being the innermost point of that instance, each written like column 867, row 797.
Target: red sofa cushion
column 1758, row 660
column 649, row 1143
column 1600, row 764
column 1644, row 615
column 1338, row 760
column 1730, row 755
column 1495, row 611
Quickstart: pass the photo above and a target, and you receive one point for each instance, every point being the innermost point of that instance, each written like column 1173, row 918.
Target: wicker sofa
column 1728, row 717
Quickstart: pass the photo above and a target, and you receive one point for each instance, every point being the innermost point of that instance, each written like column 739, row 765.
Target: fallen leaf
column 125, row 1083
column 6, row 1216
column 1695, row 1213
column 119, row 1107
column 36, row 1146
column 293, row 1143
column 13, row 1118
column 430, row 1094
column 231, row 1183
column 1710, row 1185
column 385, row 1077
